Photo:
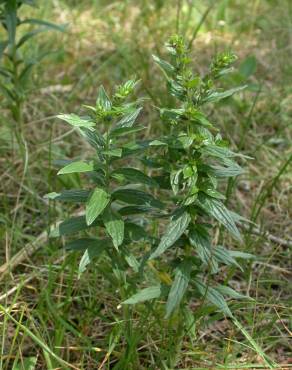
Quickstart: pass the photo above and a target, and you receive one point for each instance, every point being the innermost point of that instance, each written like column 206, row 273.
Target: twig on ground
column 23, row 254
column 265, row 234
column 27, row 280
column 26, row 252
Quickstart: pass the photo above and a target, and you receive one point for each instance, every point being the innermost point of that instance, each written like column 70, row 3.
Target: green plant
column 184, row 170
column 16, row 66
column 195, row 159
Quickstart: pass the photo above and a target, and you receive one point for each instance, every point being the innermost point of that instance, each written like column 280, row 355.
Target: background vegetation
column 50, row 315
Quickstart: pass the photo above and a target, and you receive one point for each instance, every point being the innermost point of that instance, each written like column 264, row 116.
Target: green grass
column 52, row 317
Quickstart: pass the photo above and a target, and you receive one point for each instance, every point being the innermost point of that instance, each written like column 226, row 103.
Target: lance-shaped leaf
column 71, row 226
column 221, row 152
column 179, row 287
column 96, row 204
column 226, row 290
column 76, row 196
column 213, row 296
column 3, row 45
column 27, row 36
column 173, row 232
column 103, row 102
column 93, row 138
column 200, row 240
column 46, row 24
column 232, row 170
column 81, row 244
column 166, row 67
column 11, row 20
column 223, row 255
column 145, row 295
column 76, row 121
column 133, row 175
column 116, row 152
column 218, row 210
column 114, row 226
column 79, row 166
column 132, row 196
column 243, row 255
column 130, row 259
column 134, row 210
column 201, row 118
column 216, row 96
column 92, row 252
column 121, row 131
column 213, row 193
column 134, row 232
column 128, row 120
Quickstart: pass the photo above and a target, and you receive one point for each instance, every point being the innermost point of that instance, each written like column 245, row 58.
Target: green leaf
column 128, row 120
column 145, row 295
column 29, row 35
column 213, row 296
column 213, row 193
column 113, row 152
column 92, row 252
column 179, row 286
column 3, row 45
column 121, row 131
column 171, row 114
column 223, row 255
column 130, row 259
column 134, row 176
column 200, row 240
column 217, row 151
column 82, row 244
column 157, row 143
column 93, row 138
column 248, row 67
column 173, row 232
column 226, row 290
column 221, row 152
column 71, row 226
column 175, row 180
column 46, row 24
column 216, row 96
column 243, row 255
column 132, row 196
column 202, row 119
column 218, row 210
column 78, row 166
column 134, row 210
column 229, row 171
column 103, row 102
column 165, row 66
column 76, row 196
column 11, row 20
column 114, row 226
column 96, row 204
column 134, row 232
column 76, row 121
column 52, row 195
